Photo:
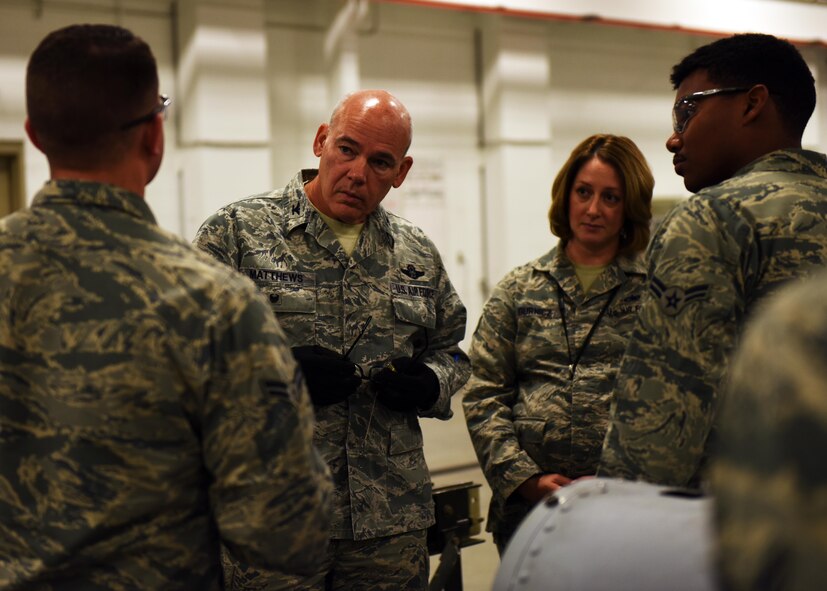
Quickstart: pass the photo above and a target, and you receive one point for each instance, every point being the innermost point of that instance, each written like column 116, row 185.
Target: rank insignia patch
column 674, row 299
column 273, row 388
column 412, row 271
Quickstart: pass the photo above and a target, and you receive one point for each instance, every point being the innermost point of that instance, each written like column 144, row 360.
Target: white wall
column 21, row 29
column 497, row 103
column 484, row 197
column 252, row 83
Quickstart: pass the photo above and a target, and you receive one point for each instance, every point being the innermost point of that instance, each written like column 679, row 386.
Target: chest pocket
column 403, row 439
column 539, row 339
column 285, row 300
column 292, row 297
column 419, row 312
column 411, row 316
column 295, row 310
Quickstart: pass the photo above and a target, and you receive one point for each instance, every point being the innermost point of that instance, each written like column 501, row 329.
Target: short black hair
column 83, row 82
column 754, row 58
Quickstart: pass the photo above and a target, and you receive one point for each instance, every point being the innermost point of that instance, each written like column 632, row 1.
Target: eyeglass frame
column 166, row 101
column 690, row 99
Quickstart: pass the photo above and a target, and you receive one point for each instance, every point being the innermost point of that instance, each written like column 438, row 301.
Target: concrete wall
column 497, row 102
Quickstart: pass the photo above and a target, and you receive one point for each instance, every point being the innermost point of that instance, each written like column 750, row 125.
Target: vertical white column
column 222, row 106
column 517, row 144
column 341, row 50
column 313, row 51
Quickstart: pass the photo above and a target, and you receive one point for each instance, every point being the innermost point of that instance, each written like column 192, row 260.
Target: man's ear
column 320, row 139
column 404, row 167
column 152, row 136
column 32, row 134
column 757, row 100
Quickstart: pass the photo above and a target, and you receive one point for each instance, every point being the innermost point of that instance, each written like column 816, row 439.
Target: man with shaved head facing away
column 150, row 410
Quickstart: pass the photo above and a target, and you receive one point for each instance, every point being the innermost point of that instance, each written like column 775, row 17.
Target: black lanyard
column 560, row 296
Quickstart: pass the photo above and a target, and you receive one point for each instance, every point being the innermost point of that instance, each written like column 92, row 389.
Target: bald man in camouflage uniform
column 769, row 479
column 361, row 293
column 149, row 408
column 758, row 220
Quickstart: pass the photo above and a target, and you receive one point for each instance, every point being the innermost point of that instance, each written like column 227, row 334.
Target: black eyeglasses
column 686, row 106
column 162, row 108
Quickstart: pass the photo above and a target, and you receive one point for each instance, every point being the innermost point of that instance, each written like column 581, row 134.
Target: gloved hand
column 405, row 385
column 330, row 376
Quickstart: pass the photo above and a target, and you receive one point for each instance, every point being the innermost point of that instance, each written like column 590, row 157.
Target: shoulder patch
column 674, row 299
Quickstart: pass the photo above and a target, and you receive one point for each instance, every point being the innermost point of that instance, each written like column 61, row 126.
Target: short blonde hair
column 624, row 156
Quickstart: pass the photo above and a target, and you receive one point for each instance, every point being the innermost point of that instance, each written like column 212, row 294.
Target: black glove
column 330, row 376
column 405, row 385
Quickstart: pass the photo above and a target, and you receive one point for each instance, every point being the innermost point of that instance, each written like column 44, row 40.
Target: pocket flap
column 420, row 312
column 297, row 301
column 404, row 439
column 530, row 429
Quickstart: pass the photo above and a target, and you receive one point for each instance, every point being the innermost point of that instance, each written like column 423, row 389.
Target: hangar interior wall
column 497, row 102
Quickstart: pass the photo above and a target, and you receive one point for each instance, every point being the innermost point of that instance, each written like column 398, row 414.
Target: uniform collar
column 790, row 160
column 299, row 212
column 558, row 265
column 93, row 194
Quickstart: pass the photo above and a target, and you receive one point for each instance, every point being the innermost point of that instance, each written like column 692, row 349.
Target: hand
column 536, row 488
column 330, row 376
column 405, row 385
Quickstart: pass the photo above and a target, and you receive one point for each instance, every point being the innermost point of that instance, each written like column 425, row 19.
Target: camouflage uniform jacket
column 711, row 260
column 526, row 413
column 149, row 410
column 320, row 295
column 769, row 477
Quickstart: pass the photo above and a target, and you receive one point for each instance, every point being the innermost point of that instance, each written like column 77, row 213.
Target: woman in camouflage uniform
column 551, row 336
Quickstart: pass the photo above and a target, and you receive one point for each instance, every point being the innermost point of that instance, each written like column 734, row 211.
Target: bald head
column 362, row 155
column 379, row 106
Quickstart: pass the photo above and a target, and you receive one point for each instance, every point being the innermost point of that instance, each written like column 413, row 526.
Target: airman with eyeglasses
column 686, row 106
column 164, row 101
column 758, row 219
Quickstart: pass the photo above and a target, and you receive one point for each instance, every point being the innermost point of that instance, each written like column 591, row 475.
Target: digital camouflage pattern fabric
column 395, row 285
column 526, row 413
column 711, row 262
column 393, row 563
column 770, row 479
column 149, row 410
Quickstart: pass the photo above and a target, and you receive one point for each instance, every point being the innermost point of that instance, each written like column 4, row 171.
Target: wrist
column 529, row 487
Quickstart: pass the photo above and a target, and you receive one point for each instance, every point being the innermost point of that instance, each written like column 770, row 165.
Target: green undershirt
column 346, row 234
column 587, row 274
